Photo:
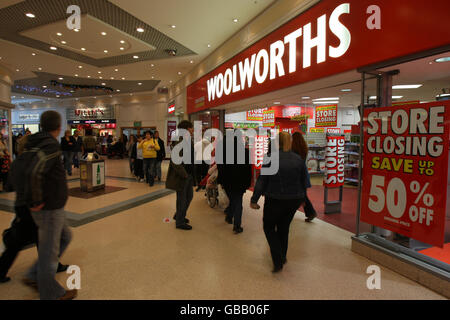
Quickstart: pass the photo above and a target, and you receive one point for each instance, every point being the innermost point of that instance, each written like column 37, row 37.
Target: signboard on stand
column 335, row 162
column 405, row 170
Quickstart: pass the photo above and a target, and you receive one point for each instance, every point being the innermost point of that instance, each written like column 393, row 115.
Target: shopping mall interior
column 121, row 68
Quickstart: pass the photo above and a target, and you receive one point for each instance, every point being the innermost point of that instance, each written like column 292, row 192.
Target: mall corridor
column 136, row 254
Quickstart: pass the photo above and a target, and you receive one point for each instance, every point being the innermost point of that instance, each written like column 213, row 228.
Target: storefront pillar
column 5, row 104
column 222, row 120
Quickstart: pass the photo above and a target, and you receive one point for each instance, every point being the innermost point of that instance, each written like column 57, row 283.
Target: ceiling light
column 444, row 59
column 306, row 98
column 192, row 61
column 326, row 99
column 209, row 46
column 40, row 69
column 235, row 20
column 76, row 30
column 173, row 26
column 393, row 97
column 53, row 48
column 33, row 54
column 122, row 41
column 44, row 87
column 346, row 90
column 443, row 95
column 123, row 78
column 140, row 84
column 152, row 65
column 103, row 84
column 153, row 77
column 277, row 102
column 63, row 42
column 116, row 70
column 99, row 72
column 61, row 78
column 136, row 57
column 407, row 86
column 59, row 34
column 17, row 70
column 83, row 49
column 326, row 102
column 100, row 77
column 112, row 78
column 179, row 73
column 118, row 90
column 57, row 96
column 89, row 76
column 122, row 48
column 140, row 30
column 80, row 67
column 103, row 33
column 105, row 51
column 76, row 75
column 30, row 15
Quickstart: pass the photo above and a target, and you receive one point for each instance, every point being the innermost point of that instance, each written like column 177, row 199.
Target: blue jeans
column 68, row 157
column 158, row 169
column 150, row 170
column 54, row 238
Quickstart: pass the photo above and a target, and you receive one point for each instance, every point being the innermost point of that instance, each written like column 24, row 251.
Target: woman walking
column 149, row 147
column 67, row 146
column 284, row 193
column 300, row 147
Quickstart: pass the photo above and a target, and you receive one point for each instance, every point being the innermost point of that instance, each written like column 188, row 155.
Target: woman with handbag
column 300, row 147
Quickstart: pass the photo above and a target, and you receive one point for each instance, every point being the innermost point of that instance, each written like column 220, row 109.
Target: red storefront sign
column 326, row 116
column 171, row 109
column 405, row 169
column 335, row 162
column 331, row 37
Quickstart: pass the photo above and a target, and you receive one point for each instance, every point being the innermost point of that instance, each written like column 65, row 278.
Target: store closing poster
column 334, row 162
column 405, row 170
column 326, row 116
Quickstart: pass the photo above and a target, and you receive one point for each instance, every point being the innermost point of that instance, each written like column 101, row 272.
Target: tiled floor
column 135, row 254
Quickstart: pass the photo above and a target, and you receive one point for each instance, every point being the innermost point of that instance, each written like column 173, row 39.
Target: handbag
column 224, row 202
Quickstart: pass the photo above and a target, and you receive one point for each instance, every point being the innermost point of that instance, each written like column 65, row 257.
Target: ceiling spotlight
column 63, row 42
column 57, row 96
column 192, row 61
column 306, row 98
column 346, row 90
column 122, row 48
column 89, row 76
column 103, row 33
column 105, row 51
column 112, row 78
column 152, row 65
column 153, row 77
column 33, row 54
column 103, row 84
column 235, row 20
column 99, row 72
column 179, row 73
column 83, row 49
column 61, row 78
column 118, row 90
column 100, row 77
column 59, row 34
column 44, row 87
column 136, row 57
column 123, row 78
column 116, row 70
column 30, row 15
column 209, row 46
column 80, row 67
column 53, row 48
column 76, row 30
column 140, row 84
column 140, row 30
column 40, row 69
column 122, row 41
column 173, row 26
column 76, row 75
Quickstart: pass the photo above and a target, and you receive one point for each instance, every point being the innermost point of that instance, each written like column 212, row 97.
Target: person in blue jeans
column 41, row 179
column 68, row 145
column 235, row 179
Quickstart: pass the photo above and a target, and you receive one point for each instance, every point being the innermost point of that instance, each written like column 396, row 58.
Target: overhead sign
column 269, row 118
column 326, row 116
column 331, row 37
column 335, row 162
column 405, row 170
column 255, row 114
column 90, row 113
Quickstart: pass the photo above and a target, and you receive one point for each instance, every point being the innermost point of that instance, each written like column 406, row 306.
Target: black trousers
column 278, row 215
column 26, row 233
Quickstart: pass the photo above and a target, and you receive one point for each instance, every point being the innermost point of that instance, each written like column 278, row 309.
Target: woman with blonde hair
column 284, row 193
column 300, row 147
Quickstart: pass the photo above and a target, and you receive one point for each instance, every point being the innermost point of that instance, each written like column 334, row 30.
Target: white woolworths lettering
column 272, row 62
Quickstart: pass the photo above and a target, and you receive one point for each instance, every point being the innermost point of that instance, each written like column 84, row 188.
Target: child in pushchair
column 212, row 190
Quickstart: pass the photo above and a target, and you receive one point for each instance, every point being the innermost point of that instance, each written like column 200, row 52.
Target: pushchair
column 212, row 189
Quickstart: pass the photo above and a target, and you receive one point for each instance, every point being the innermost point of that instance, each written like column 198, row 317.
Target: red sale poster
column 326, row 116
column 405, row 170
column 335, row 162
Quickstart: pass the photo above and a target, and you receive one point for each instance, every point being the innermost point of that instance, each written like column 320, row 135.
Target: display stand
column 333, row 206
column 92, row 175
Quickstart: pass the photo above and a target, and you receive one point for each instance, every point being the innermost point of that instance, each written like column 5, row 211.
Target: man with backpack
column 40, row 181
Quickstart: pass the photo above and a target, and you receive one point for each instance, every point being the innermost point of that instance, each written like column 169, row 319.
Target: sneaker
column 185, row 227
column 69, row 295
column 5, row 279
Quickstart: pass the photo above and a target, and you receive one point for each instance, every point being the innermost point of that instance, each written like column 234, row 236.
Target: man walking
column 45, row 186
column 78, row 148
column 149, row 147
column 181, row 178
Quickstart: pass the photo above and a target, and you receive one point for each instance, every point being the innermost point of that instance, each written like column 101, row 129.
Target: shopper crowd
column 38, row 176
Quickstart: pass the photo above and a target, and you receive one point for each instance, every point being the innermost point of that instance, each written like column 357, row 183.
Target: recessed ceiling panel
column 95, row 39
